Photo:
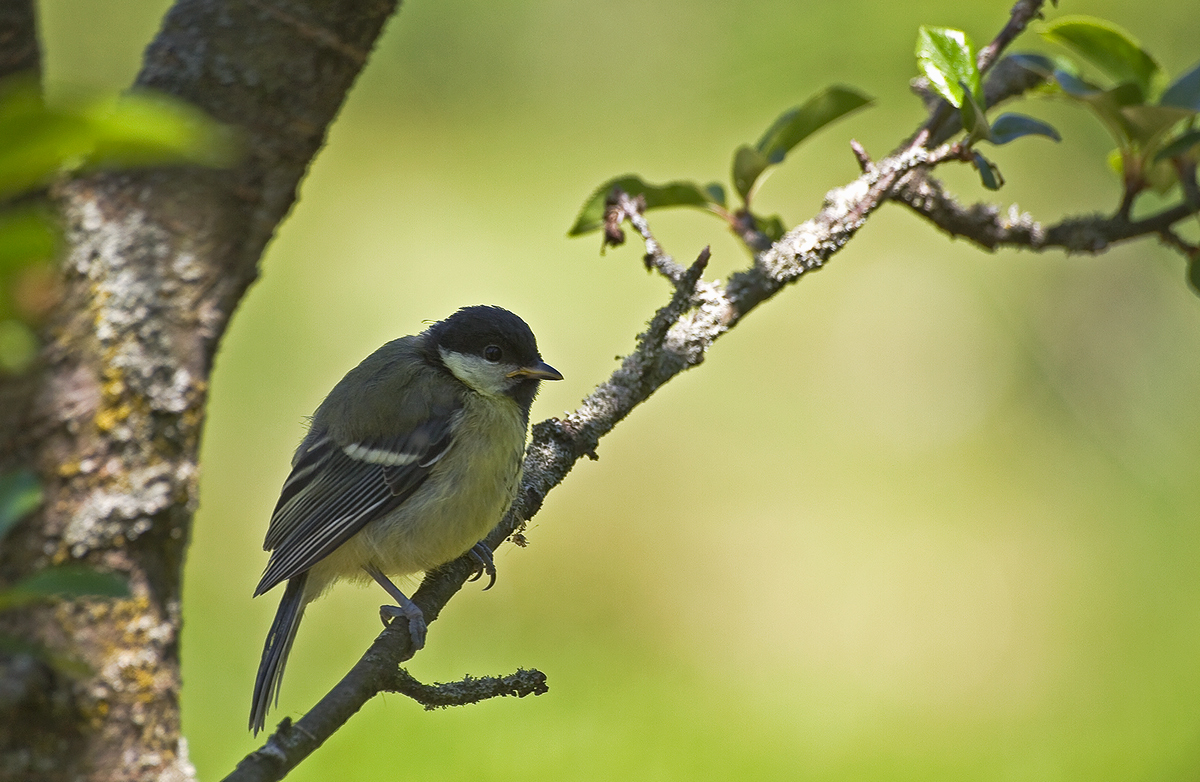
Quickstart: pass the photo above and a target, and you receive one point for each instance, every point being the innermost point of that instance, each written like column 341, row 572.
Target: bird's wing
column 334, row 490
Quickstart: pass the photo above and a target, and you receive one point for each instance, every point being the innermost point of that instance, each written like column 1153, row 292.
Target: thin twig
column 860, row 154
column 470, row 689
column 1019, row 17
column 988, row 227
column 1176, row 242
column 620, row 207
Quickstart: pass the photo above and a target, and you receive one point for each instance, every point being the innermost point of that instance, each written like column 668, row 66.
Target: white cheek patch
column 481, row 376
column 378, row 455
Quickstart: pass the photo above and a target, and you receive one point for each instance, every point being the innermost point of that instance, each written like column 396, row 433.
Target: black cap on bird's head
column 502, row 340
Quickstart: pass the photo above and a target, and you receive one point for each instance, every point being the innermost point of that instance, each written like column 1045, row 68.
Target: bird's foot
column 416, row 621
column 404, row 608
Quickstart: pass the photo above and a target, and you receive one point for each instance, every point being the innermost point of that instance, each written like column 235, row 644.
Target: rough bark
column 19, row 50
column 156, row 262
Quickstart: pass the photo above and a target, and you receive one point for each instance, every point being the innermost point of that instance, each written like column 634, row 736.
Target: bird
column 412, row 458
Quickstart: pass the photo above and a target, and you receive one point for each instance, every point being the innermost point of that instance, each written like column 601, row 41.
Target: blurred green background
column 930, row 514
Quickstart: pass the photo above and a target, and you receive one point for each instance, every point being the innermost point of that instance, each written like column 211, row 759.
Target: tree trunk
column 154, row 264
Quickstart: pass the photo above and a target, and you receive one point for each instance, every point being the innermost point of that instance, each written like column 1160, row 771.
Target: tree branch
column 988, row 227
column 676, row 339
column 1019, row 16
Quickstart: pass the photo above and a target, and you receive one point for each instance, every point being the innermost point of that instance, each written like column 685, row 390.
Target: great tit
column 409, row 462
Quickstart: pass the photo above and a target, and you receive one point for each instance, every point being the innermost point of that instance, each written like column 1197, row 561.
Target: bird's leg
column 405, row 608
column 483, row 564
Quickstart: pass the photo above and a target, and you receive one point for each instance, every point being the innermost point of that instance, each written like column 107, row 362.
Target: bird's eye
column 493, row 353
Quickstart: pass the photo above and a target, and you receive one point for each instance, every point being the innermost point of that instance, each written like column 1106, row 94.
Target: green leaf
column 65, row 582
column 715, row 192
column 1180, row 146
column 1008, row 127
column 1161, row 176
column 38, row 141
column 973, row 117
column 20, row 495
column 11, row 645
column 591, row 215
column 748, row 166
column 788, row 130
column 1047, row 68
column 1193, row 276
column 947, row 59
column 147, row 128
column 1184, row 92
column 1106, row 46
column 1106, row 104
column 771, row 227
column 1074, row 86
column 1148, row 123
column 35, row 141
column 1116, row 162
column 795, row 125
column 18, row 346
column 988, row 173
column 26, row 234
column 1038, row 63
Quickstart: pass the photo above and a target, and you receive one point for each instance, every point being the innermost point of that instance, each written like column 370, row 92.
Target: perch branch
column 677, row 338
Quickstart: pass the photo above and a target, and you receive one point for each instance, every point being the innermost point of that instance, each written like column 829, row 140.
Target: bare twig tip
column 860, row 154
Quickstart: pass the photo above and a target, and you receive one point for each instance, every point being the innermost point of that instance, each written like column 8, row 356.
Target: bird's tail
column 275, row 651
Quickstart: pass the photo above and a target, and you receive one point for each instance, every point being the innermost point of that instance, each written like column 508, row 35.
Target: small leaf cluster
column 1152, row 121
column 20, row 495
column 751, row 166
column 948, row 60
column 39, row 143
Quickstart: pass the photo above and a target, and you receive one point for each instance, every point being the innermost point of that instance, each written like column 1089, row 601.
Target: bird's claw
column 483, row 564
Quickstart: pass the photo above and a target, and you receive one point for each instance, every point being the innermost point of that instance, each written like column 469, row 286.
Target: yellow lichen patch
column 132, row 608
column 107, row 419
column 193, row 417
column 70, row 469
column 113, row 386
column 142, row 681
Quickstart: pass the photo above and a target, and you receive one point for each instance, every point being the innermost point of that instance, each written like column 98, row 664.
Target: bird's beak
column 539, row 371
